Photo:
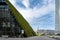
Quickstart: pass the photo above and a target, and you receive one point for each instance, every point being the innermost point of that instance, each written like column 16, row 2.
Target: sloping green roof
column 22, row 22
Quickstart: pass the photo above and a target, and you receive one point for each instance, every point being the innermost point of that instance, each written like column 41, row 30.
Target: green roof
column 22, row 22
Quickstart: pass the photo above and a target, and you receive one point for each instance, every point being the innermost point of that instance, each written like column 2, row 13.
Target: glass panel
column 8, row 24
column 2, row 1
column 7, row 20
column 4, row 24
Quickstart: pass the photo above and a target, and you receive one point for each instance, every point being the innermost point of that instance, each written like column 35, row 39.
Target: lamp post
column 37, row 29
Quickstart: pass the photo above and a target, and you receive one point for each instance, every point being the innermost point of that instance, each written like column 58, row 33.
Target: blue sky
column 39, row 13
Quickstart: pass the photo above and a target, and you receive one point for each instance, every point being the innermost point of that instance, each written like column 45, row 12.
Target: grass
column 39, row 34
column 22, row 22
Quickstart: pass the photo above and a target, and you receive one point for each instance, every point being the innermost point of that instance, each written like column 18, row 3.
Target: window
column 4, row 24
column 8, row 24
column 2, row 1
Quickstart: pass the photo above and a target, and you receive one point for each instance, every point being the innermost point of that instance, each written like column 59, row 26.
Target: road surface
column 30, row 38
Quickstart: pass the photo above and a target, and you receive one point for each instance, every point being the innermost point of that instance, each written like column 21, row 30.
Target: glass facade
column 57, row 17
column 8, row 23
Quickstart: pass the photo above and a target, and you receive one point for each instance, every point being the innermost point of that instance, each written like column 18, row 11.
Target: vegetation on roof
column 22, row 22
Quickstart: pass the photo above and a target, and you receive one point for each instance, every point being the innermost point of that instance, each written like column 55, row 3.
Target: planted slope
column 22, row 22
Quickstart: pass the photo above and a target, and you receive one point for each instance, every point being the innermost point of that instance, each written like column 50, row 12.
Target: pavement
column 30, row 38
column 56, row 37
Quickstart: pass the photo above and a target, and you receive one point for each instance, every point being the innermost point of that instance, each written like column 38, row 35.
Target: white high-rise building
column 57, row 16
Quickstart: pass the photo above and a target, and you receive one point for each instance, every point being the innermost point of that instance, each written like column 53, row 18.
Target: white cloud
column 48, row 1
column 36, row 12
column 26, row 3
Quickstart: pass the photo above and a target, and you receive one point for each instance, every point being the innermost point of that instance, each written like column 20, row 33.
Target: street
column 30, row 38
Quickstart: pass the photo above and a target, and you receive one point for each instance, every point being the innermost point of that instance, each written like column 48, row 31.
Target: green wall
column 22, row 22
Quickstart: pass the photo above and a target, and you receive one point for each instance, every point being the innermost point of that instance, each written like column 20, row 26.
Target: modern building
column 57, row 16
column 12, row 22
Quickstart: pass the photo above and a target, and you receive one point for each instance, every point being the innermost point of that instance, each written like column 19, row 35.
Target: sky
column 40, row 14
